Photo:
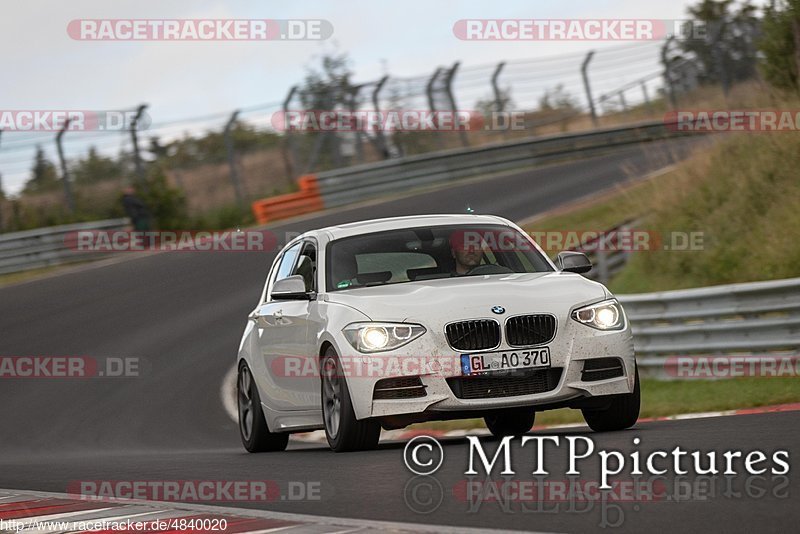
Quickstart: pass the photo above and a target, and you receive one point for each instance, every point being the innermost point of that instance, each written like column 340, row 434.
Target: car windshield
column 412, row 254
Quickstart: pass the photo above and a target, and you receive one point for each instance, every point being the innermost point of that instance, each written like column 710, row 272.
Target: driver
column 467, row 254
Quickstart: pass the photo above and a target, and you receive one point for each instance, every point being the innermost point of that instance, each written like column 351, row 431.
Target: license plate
column 478, row 364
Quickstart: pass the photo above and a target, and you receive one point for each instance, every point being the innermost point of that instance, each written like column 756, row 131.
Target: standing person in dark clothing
column 136, row 210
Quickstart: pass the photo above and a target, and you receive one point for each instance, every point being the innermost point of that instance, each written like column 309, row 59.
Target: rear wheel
column 510, row 422
column 622, row 413
column 253, row 428
column 343, row 430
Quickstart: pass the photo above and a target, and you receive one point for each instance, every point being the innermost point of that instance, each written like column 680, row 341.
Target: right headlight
column 377, row 337
column 606, row 315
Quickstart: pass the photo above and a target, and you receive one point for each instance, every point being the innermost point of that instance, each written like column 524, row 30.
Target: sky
column 43, row 68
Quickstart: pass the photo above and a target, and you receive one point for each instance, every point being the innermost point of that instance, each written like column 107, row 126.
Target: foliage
column 780, row 44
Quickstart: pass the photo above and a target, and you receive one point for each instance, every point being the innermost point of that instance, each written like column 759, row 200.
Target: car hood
column 449, row 299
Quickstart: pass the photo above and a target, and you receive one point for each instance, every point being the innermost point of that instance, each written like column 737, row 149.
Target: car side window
column 286, row 264
column 307, row 266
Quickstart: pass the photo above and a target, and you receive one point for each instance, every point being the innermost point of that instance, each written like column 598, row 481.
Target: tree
column 43, row 175
column 727, row 53
column 95, row 168
column 557, row 99
column 780, row 44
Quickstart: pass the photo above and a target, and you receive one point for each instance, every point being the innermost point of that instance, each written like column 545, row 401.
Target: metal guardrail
column 45, row 247
column 351, row 184
column 761, row 319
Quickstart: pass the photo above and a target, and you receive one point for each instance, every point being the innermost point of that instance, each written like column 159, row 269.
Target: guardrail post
column 585, row 76
column 237, row 185
column 64, row 170
column 448, row 84
column 380, row 139
column 137, row 159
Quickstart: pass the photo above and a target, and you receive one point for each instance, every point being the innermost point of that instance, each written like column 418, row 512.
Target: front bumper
column 573, row 345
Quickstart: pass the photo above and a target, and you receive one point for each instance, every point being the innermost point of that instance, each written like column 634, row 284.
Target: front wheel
column 343, row 431
column 253, row 428
column 622, row 412
column 510, row 422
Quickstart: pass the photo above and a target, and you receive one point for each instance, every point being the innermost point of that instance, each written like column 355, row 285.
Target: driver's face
column 468, row 257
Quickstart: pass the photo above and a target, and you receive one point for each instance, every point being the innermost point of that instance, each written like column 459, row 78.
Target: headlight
column 606, row 315
column 376, row 337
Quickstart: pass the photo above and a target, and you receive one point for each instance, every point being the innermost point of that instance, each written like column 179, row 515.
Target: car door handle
column 278, row 315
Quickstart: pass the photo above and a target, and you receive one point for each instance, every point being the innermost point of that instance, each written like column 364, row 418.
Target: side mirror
column 574, row 262
column 290, row 288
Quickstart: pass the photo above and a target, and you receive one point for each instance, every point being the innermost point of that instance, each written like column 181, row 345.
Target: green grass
column 742, row 194
column 660, row 398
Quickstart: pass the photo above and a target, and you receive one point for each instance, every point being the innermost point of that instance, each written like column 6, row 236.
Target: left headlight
column 606, row 315
column 377, row 337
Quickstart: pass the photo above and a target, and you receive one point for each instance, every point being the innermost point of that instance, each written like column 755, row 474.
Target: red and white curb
column 41, row 512
column 318, row 436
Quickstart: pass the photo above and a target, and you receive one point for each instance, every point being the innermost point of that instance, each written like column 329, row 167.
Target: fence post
column 668, row 73
column 289, row 150
column 584, row 75
column 381, row 140
column 137, row 159
column 646, row 97
column 64, row 170
column 237, row 185
column 448, row 83
column 2, row 194
column 498, row 97
column 622, row 101
column 432, row 102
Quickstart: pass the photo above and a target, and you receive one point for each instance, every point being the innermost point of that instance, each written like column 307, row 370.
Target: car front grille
column 507, row 385
column 403, row 387
column 478, row 334
column 601, row 369
column 525, row 330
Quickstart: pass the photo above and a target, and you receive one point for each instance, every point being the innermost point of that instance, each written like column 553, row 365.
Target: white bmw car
column 389, row 322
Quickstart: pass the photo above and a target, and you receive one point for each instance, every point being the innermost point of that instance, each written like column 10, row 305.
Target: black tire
column 253, row 428
column 622, row 413
column 510, row 422
column 344, row 432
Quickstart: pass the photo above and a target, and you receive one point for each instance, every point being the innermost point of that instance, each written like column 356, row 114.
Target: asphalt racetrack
column 183, row 313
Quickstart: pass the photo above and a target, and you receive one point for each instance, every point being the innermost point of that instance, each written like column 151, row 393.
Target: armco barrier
column 758, row 318
column 307, row 200
column 44, row 247
column 351, row 184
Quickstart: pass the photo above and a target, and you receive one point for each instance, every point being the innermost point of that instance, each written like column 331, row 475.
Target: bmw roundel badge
column 498, row 310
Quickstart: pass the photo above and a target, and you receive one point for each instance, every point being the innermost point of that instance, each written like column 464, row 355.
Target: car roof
column 412, row 221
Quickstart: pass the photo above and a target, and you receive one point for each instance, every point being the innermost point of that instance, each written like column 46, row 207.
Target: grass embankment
column 742, row 194
column 660, row 398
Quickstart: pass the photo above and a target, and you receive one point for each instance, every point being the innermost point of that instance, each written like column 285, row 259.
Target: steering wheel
column 489, row 268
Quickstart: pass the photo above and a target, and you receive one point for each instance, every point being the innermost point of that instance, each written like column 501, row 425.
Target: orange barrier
column 306, row 200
